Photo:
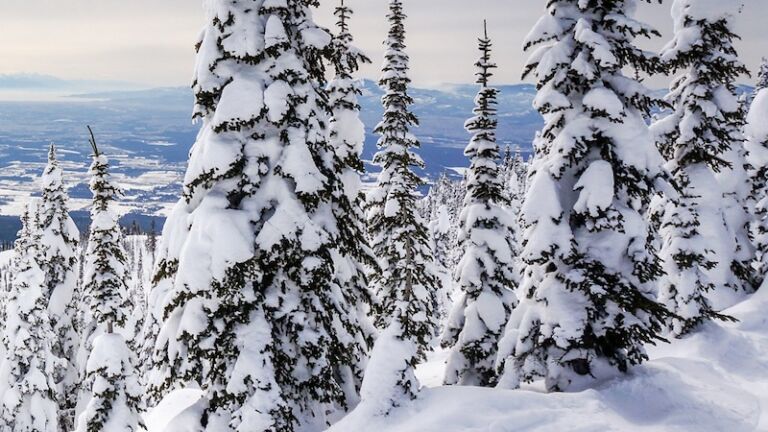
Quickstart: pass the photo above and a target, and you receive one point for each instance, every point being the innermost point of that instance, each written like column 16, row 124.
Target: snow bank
column 6, row 257
column 714, row 380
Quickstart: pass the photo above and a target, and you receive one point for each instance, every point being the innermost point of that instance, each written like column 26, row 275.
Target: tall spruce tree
column 109, row 388
column 104, row 292
column 756, row 132
column 347, row 136
column 486, row 273
column 30, row 367
column 59, row 263
column 589, row 263
column 252, row 305
column 698, row 245
column 407, row 284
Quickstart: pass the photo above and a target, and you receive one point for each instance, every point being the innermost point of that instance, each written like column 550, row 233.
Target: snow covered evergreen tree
column 58, row 261
column 104, row 280
column 444, row 192
column 406, row 285
column 486, row 273
column 250, row 300
column 110, row 387
column 29, row 371
column 699, row 247
column 139, row 271
column 515, row 175
column 756, row 132
column 442, row 231
column 444, row 242
column 347, row 136
column 586, row 309
column 735, row 183
column 762, row 76
column 441, row 208
column 109, row 391
column 115, row 403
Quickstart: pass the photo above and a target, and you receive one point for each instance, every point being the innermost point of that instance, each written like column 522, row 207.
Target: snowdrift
column 715, row 380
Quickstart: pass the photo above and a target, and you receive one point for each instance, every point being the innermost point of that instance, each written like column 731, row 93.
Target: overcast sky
column 150, row 41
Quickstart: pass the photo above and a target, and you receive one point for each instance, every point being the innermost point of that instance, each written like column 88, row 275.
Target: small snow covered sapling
column 486, row 274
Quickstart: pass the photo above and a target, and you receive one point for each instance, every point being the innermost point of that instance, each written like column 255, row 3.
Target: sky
column 151, row 41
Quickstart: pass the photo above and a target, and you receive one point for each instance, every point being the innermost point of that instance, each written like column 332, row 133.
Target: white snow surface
column 714, row 380
column 757, row 125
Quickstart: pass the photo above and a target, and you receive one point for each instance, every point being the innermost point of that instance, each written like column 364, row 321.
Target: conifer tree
column 252, row 307
column 442, row 231
column 756, row 132
column 589, row 264
column 762, row 76
column 28, row 372
column 735, row 183
column 486, row 273
column 699, row 248
column 406, row 285
column 441, row 208
column 105, row 299
column 58, row 261
column 347, row 136
column 115, row 402
column 139, row 277
column 514, row 171
column 109, row 388
column 152, row 350
column 515, row 175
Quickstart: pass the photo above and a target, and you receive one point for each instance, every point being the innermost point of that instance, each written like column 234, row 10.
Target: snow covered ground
column 6, row 257
column 715, row 380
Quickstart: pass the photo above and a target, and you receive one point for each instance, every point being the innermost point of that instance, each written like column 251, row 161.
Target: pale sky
column 151, row 41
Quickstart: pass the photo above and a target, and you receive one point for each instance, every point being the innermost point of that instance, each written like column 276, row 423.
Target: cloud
column 150, row 41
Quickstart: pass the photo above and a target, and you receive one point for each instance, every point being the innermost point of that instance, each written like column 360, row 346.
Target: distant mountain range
column 148, row 134
column 45, row 83
column 442, row 114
